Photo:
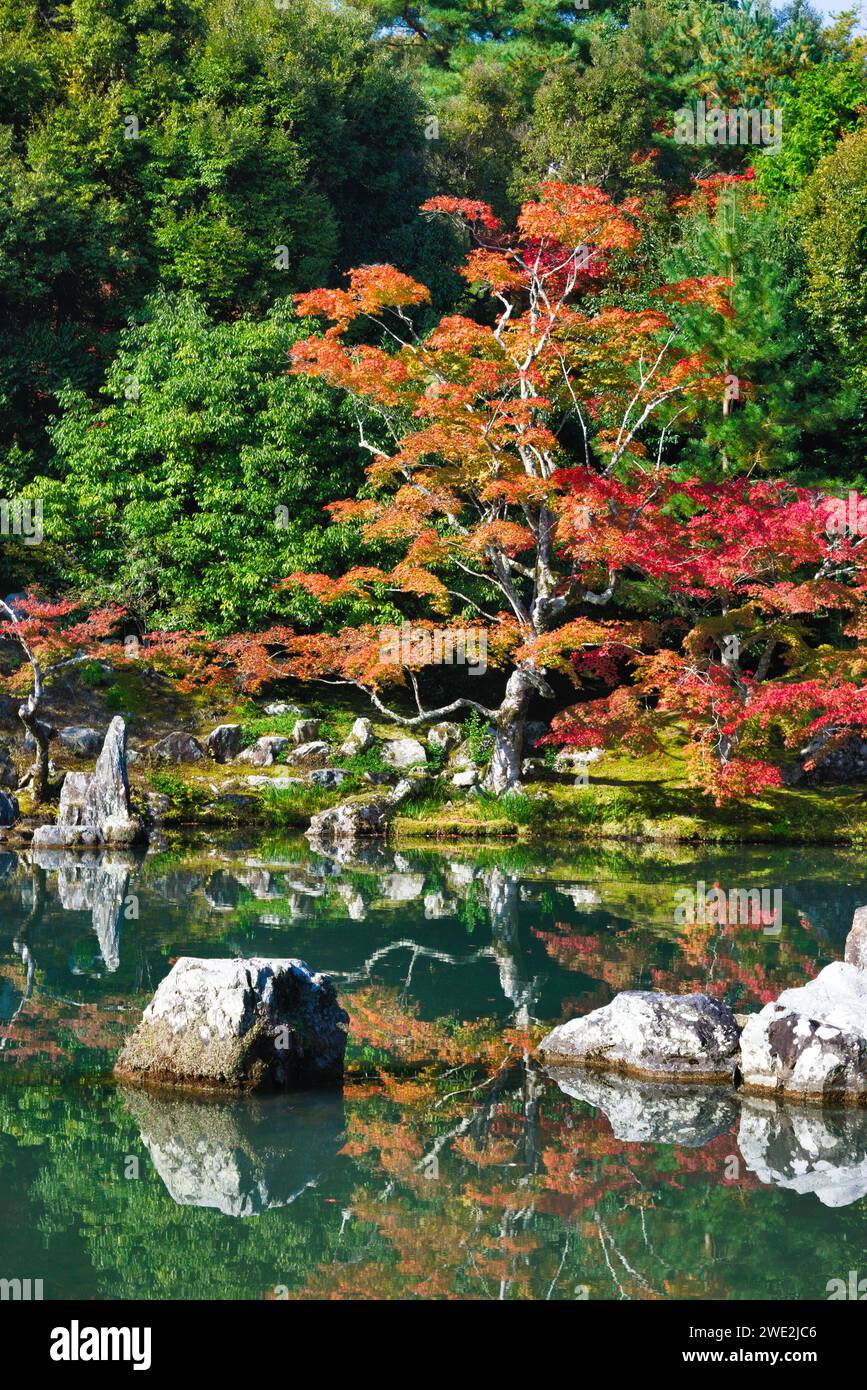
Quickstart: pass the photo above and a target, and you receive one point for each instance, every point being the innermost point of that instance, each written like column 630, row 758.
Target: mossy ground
column 647, row 798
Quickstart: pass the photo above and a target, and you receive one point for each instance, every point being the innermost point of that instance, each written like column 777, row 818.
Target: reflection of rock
column 240, row 1157
column 460, row 876
column 506, row 944
column 356, row 908
column 239, row 1025
column 401, row 887
column 805, row 1149
column 437, row 905
column 583, row 898
column 812, row 1042
column 109, row 894
column 97, row 884
column 645, row 1112
column 663, row 1037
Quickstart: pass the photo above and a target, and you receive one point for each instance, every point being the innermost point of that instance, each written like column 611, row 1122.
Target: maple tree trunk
column 37, row 777
column 505, row 770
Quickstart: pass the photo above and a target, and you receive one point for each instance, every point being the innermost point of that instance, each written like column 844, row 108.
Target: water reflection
column 646, row 1113
column 241, row 1157
column 453, row 1165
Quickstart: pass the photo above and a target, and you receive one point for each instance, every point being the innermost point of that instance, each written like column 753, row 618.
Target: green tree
column 200, row 478
column 241, row 151
column 832, row 208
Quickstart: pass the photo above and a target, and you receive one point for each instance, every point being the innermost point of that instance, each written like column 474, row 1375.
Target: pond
column 451, row 1165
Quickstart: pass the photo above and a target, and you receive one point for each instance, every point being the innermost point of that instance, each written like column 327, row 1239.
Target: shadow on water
column 452, row 1165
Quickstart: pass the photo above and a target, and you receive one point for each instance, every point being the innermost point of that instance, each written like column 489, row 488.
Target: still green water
column 451, row 1166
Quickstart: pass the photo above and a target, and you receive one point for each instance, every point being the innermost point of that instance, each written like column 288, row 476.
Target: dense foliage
column 174, row 174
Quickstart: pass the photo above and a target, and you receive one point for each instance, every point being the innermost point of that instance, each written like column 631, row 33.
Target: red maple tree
column 471, row 428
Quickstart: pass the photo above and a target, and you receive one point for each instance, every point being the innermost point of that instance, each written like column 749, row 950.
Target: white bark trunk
column 504, row 774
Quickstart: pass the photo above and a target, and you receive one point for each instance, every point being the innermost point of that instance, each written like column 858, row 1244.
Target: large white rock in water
column 815, row 1152
column 812, row 1042
column 662, row 1037
column 239, row 1025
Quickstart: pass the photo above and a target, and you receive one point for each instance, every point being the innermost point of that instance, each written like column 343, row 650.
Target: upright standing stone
column 856, row 941
column 108, row 793
column 94, row 808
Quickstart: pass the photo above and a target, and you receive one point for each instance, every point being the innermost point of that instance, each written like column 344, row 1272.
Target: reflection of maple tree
column 724, row 959
column 516, row 1162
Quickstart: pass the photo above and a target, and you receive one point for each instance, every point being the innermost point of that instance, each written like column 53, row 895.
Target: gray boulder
column 661, row 1037
column 856, row 942
column 306, row 730
column 402, row 753
column 94, row 807
column 811, row 1044
column 461, row 758
column 358, row 819
column 265, row 751
column 178, row 747
column 80, row 740
column 329, row 778
column 224, row 742
column 305, row 753
column 359, row 739
column 444, row 736
column 239, row 1025
column 107, row 792
column 8, row 773
column 73, row 794
column 9, row 809
column 468, row 778
column 835, row 760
